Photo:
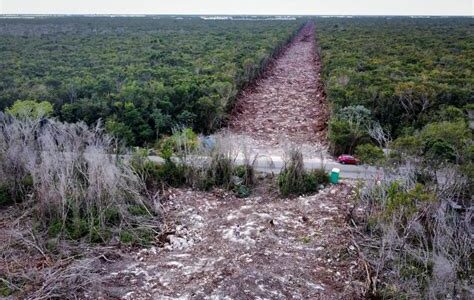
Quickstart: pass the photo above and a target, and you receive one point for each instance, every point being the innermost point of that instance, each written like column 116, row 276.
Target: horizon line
column 226, row 14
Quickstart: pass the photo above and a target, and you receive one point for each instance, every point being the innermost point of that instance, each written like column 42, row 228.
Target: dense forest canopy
column 404, row 71
column 141, row 76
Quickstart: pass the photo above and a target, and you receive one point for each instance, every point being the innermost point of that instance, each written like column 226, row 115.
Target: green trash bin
column 334, row 178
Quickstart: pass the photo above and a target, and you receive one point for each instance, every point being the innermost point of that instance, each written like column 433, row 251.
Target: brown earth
column 264, row 247
column 214, row 246
column 217, row 246
column 288, row 103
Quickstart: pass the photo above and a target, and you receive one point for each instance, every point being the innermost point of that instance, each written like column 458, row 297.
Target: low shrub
column 5, row 196
column 418, row 235
column 136, row 237
column 221, row 170
column 78, row 190
column 5, row 290
column 218, row 172
column 171, row 173
column 156, row 175
column 369, row 154
column 247, row 173
column 320, row 176
column 242, row 191
column 183, row 140
column 294, row 180
column 199, row 167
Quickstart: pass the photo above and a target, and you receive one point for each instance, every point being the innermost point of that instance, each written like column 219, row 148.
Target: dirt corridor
column 218, row 246
column 288, row 103
column 222, row 247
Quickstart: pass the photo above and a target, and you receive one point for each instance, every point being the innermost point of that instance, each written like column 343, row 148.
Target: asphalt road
column 275, row 163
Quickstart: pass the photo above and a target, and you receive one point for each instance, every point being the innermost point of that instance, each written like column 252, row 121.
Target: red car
column 347, row 160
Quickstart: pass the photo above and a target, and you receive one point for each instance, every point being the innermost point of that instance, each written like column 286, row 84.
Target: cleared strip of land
column 288, row 103
column 217, row 246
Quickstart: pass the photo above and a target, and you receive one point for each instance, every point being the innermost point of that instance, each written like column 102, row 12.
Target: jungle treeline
column 141, row 76
column 403, row 73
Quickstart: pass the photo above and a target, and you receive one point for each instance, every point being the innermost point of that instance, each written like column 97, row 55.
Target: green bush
column 340, row 137
column 5, row 196
column 112, row 216
column 438, row 142
column 369, row 154
column 344, row 136
column 240, row 171
column 30, row 109
column 247, row 173
column 77, row 228
column 220, row 171
column 5, row 290
column 126, row 237
column 288, row 184
column 55, row 227
column 98, row 235
column 453, row 134
column 14, row 193
column 138, row 210
column 242, row 191
column 409, row 144
column 136, row 236
column 182, row 141
column 171, row 173
column 450, row 114
column 155, row 175
column 320, row 176
column 294, row 180
column 440, row 150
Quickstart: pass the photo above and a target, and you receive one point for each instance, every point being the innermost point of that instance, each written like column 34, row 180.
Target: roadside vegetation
column 190, row 161
column 67, row 195
column 295, row 180
column 413, row 230
column 395, row 75
column 405, row 85
column 76, row 93
column 141, row 76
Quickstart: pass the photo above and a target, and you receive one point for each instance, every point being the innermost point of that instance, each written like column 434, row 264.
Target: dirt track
column 288, row 103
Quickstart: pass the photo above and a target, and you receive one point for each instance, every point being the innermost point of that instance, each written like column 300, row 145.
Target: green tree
column 120, row 130
column 349, row 129
column 369, row 154
column 30, row 109
column 456, row 134
column 450, row 114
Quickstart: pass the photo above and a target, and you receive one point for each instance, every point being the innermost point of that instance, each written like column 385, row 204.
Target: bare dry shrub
column 418, row 237
column 67, row 280
column 72, row 173
column 216, row 164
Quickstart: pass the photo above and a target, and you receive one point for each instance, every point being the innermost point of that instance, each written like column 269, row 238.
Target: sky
column 265, row 7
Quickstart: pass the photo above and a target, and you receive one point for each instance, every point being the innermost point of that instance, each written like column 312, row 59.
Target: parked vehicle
column 347, row 160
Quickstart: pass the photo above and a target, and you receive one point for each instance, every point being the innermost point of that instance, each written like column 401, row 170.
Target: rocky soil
column 288, row 103
column 263, row 247
column 215, row 245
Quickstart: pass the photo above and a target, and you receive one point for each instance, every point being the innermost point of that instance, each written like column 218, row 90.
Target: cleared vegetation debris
column 288, row 102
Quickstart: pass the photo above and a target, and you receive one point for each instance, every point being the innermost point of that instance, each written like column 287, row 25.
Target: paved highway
column 274, row 164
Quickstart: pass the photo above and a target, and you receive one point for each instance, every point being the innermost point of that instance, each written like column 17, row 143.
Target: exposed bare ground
column 217, row 246
column 288, row 103
column 263, row 247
